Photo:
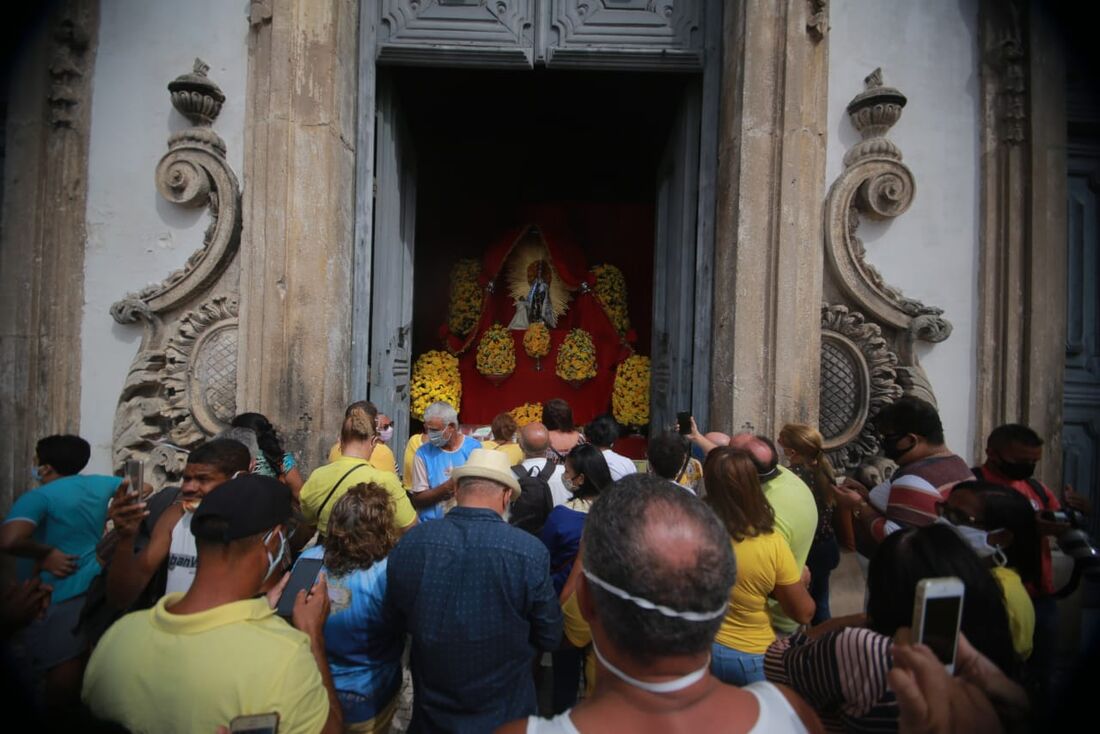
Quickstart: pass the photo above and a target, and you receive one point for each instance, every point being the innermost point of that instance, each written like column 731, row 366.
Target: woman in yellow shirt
column 382, row 457
column 765, row 567
column 999, row 525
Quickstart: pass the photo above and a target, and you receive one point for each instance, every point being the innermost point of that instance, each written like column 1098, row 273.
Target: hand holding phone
column 937, row 615
column 135, row 473
column 683, row 422
column 256, row 724
column 302, row 578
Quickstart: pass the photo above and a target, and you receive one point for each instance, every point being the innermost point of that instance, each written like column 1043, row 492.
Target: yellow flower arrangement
column 576, row 360
column 526, row 413
column 435, row 377
column 536, row 340
column 496, row 352
column 630, row 396
column 465, row 304
column 611, row 289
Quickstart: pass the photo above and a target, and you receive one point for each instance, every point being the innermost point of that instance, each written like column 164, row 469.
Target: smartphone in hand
column 683, row 422
column 937, row 615
column 255, row 724
column 302, row 576
column 135, row 474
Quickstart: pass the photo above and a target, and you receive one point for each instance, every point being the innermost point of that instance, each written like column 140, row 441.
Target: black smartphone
column 302, row 576
column 683, row 421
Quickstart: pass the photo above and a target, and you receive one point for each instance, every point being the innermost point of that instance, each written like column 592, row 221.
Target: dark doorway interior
column 490, row 145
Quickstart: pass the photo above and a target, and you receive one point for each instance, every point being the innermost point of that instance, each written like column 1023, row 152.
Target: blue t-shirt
column 364, row 651
column 562, row 537
column 69, row 514
column 439, row 463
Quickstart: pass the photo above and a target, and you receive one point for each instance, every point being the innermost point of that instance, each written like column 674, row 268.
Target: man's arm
column 129, row 572
column 16, row 540
column 699, row 439
column 545, row 613
column 423, row 497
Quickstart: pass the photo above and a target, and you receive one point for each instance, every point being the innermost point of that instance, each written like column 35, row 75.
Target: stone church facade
column 208, row 208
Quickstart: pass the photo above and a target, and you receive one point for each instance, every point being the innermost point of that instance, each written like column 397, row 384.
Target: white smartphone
column 257, row 724
column 937, row 614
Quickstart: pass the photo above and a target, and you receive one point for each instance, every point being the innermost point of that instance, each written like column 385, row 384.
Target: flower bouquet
column 630, row 396
column 435, row 378
column 465, row 301
column 536, row 342
column 576, row 361
column 526, row 413
column 496, row 354
column 611, row 290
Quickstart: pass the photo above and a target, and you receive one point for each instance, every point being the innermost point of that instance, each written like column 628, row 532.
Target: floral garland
column 435, row 378
column 536, row 340
column 526, row 413
column 465, row 304
column 630, row 396
column 611, row 289
column 576, row 361
column 496, row 352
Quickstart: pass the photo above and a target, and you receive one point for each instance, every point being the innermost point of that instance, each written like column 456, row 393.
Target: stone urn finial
column 196, row 97
column 873, row 112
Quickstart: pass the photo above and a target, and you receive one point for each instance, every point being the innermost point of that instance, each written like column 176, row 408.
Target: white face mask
column 569, row 485
column 978, row 540
column 386, row 434
column 275, row 562
column 665, row 686
column 35, row 474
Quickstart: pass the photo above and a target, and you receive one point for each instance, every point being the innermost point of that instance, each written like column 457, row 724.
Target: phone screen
column 258, row 724
column 302, row 576
column 941, row 623
column 683, row 420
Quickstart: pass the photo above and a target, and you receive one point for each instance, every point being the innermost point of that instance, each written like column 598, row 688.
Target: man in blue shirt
column 58, row 525
column 475, row 594
column 433, row 484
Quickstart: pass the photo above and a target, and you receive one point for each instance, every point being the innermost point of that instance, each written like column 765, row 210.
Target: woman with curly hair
column 272, row 461
column 364, row 652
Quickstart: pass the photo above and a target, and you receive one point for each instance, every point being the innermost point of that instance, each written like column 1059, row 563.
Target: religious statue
column 536, row 305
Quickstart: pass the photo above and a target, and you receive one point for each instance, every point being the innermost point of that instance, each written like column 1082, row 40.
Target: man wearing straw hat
column 475, row 594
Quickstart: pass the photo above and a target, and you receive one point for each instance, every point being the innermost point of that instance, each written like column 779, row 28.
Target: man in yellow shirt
column 199, row 659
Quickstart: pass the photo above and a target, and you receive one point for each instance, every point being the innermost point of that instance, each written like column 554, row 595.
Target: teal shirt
column 69, row 514
column 795, row 520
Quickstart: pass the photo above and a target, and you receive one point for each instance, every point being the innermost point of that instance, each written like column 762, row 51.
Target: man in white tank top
column 653, row 583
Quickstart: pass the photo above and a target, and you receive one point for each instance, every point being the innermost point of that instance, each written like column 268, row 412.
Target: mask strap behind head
column 648, row 605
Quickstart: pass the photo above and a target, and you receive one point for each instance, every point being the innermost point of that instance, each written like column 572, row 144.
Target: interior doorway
column 464, row 155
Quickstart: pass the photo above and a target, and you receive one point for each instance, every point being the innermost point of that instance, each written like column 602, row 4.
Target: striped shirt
column 842, row 674
column 910, row 496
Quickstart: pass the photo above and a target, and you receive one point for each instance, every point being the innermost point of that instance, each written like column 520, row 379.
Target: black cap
column 247, row 505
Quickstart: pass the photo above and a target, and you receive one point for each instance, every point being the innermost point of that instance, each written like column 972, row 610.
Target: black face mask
column 890, row 448
column 1016, row 469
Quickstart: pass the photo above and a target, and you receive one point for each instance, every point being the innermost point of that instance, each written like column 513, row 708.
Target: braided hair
column 266, row 436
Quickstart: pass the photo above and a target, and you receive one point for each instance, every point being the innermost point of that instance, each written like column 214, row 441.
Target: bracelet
column 858, row 510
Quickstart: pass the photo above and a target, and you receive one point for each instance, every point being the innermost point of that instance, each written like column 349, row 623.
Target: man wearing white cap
column 475, row 594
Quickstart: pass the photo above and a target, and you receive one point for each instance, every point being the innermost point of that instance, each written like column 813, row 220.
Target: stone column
column 771, row 186
column 299, row 195
column 1022, row 277
column 42, row 242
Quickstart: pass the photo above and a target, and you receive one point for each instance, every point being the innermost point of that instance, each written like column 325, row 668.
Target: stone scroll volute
column 875, row 184
column 180, row 385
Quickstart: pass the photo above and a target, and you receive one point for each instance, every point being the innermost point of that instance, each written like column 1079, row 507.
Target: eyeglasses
column 956, row 516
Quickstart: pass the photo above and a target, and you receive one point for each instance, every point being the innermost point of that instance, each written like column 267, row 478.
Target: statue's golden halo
column 521, row 266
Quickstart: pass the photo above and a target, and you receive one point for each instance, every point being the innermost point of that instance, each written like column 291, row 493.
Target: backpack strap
column 1042, row 492
column 547, row 471
column 977, row 472
column 334, row 488
column 519, row 471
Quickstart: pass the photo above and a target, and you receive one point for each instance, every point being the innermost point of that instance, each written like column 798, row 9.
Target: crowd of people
column 683, row 589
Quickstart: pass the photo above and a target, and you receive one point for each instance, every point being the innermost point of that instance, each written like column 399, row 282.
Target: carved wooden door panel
column 457, row 32
column 392, row 295
column 674, row 268
column 1081, row 417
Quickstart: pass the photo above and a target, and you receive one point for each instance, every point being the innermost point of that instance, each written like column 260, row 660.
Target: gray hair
column 616, row 550
column 244, row 436
column 443, row 411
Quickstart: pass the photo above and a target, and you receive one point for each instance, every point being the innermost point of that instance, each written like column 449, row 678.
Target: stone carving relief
column 875, row 184
column 858, row 377
column 818, row 22
column 181, row 387
column 71, row 51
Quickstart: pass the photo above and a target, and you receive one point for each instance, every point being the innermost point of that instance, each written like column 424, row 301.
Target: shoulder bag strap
column 334, row 488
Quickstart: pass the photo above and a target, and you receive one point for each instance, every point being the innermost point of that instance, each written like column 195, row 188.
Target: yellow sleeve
column 308, row 501
column 403, row 512
column 576, row 628
column 302, row 701
column 410, row 453
column 489, row 444
column 787, row 571
column 382, row 458
column 334, row 454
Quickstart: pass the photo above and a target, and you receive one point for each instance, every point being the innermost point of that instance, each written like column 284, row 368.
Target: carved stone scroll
column 875, row 184
column 182, row 384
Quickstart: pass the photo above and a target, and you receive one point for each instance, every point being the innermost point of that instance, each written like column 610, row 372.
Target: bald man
column 534, row 439
column 793, row 502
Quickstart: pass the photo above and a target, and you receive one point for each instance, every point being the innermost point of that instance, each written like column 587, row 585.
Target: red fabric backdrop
column 482, row 399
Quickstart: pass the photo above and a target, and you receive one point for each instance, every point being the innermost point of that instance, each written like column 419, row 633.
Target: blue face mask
column 437, row 438
column 35, row 474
